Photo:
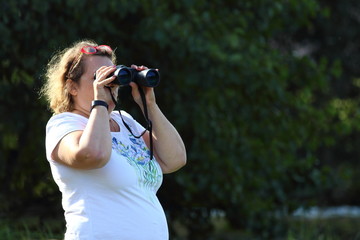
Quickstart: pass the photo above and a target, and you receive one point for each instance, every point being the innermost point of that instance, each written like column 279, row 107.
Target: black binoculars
column 125, row 75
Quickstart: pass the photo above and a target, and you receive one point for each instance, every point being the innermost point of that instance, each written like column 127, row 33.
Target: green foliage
column 255, row 117
column 332, row 35
column 325, row 229
column 30, row 229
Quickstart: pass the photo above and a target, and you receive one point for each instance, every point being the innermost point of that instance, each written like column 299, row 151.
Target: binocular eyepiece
column 125, row 75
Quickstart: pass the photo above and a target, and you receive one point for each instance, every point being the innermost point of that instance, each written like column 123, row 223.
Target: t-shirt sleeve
column 59, row 126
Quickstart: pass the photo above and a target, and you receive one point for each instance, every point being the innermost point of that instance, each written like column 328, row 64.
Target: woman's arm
column 87, row 149
column 169, row 148
column 90, row 148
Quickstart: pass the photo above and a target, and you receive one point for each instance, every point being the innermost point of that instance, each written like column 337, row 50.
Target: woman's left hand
column 148, row 91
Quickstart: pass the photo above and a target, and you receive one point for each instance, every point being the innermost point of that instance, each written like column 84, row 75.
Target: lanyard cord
column 148, row 121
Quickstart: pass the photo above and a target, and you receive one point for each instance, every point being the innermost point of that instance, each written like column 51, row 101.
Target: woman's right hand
column 101, row 81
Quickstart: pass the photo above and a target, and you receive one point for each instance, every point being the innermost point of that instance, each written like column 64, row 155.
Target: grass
column 299, row 229
column 340, row 228
column 31, row 229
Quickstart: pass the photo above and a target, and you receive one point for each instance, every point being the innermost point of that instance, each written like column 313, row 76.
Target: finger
column 133, row 86
column 99, row 70
column 139, row 68
column 134, row 89
column 134, row 66
column 103, row 83
column 104, row 71
column 142, row 67
column 109, row 70
column 107, row 81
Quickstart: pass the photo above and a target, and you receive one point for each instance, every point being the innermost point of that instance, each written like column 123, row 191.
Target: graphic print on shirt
column 138, row 156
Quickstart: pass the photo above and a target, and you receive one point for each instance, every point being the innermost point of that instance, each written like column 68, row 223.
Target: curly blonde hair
column 64, row 65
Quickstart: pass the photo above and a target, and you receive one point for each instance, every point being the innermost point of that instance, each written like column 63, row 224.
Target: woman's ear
column 71, row 87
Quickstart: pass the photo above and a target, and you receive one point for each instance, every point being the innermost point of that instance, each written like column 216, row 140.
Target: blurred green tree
column 333, row 35
column 254, row 111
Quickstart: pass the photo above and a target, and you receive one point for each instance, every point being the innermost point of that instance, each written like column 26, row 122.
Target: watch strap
column 95, row 103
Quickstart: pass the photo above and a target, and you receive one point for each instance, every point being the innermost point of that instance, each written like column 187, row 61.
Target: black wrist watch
column 99, row 103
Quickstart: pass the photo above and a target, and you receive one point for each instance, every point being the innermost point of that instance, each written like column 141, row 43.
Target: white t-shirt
column 117, row 201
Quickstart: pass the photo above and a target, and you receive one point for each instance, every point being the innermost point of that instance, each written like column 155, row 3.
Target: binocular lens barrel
column 148, row 78
column 125, row 75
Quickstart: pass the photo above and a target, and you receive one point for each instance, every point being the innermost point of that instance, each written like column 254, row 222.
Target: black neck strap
column 148, row 121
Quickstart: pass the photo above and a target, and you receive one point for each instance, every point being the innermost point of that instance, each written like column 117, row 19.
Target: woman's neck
column 81, row 112
column 114, row 126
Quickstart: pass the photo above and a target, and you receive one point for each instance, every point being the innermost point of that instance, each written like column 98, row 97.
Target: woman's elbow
column 91, row 159
column 183, row 160
column 175, row 164
column 181, row 156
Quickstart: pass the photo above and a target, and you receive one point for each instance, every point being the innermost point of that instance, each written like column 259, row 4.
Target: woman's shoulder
column 66, row 117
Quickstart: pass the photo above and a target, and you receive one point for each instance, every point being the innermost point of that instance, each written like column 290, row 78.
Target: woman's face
column 85, row 90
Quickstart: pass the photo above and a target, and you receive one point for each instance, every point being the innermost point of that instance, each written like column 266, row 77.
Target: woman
column 107, row 179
